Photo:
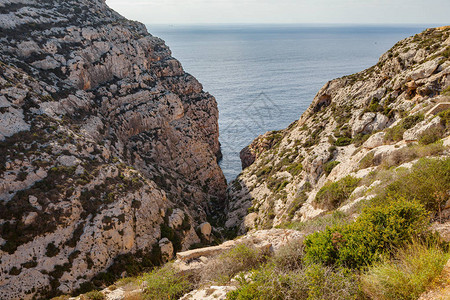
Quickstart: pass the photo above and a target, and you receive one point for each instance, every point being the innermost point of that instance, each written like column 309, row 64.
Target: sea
column 265, row 76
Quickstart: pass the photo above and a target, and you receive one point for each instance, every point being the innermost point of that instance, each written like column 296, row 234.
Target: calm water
column 264, row 77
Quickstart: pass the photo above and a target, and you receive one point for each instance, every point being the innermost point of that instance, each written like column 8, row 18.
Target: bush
column 377, row 230
column 311, row 282
column 62, row 297
column 241, row 258
column 446, row 92
column 360, row 138
column 395, row 134
column 445, row 115
column 428, row 181
column 410, row 153
column 333, row 194
column 51, row 250
column 268, row 284
column 407, row 275
column 431, row 135
column 290, row 256
column 133, row 296
column 329, row 166
column 411, row 121
column 165, row 283
column 295, row 169
column 367, row 161
column 94, row 295
column 343, row 141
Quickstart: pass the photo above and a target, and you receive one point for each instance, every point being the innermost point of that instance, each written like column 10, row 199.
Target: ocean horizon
column 264, row 76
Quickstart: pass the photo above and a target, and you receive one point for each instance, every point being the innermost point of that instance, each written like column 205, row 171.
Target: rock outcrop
column 108, row 148
column 354, row 124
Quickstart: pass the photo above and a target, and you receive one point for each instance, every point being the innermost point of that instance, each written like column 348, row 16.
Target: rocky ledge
column 108, row 149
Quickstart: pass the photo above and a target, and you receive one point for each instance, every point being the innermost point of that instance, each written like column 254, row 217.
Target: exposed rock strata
column 107, row 146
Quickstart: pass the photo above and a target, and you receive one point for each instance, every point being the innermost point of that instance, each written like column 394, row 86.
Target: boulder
column 424, row 70
column 374, row 141
column 166, row 247
column 68, row 160
column 413, row 134
column 205, row 230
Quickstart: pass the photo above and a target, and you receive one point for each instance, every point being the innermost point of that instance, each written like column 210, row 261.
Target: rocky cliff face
column 107, row 147
column 354, row 124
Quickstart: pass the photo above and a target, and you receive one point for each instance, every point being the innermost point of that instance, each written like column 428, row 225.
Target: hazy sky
column 284, row 11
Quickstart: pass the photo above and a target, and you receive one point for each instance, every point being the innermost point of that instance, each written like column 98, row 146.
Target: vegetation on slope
column 387, row 252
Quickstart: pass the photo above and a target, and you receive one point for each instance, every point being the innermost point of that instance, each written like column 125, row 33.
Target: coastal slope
column 382, row 117
column 108, row 149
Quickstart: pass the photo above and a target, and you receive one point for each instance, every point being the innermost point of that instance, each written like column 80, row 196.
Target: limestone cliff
column 107, row 146
column 354, row 124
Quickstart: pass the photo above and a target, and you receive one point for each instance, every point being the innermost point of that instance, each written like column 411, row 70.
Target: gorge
column 110, row 150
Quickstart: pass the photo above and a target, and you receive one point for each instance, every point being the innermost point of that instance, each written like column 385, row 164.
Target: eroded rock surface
column 351, row 127
column 103, row 136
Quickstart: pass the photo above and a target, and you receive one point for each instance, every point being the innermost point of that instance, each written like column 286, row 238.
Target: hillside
column 349, row 202
column 110, row 186
column 383, row 117
column 108, row 149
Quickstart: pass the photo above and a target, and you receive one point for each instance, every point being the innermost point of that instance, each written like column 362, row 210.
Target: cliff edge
column 108, row 148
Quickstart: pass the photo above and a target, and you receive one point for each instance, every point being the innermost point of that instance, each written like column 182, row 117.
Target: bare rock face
column 102, row 136
column 261, row 144
column 351, row 119
column 166, row 247
column 205, row 229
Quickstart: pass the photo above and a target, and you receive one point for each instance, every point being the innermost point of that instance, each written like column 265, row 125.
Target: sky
column 284, row 11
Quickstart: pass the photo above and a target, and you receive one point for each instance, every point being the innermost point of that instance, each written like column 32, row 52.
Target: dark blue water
column 264, row 77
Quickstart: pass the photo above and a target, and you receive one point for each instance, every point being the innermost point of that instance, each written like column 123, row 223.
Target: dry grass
column 241, row 258
column 133, row 296
column 407, row 275
column 412, row 152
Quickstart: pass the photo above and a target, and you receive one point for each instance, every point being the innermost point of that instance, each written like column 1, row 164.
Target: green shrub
column 310, row 282
column 290, row 256
column 343, row 141
column 295, row 169
column 62, row 297
column 431, row 135
column 410, row 153
column 94, row 295
column 51, row 250
column 446, row 92
column 268, row 284
column 165, row 283
column 367, row 161
column 395, row 134
column 445, row 115
column 428, row 181
column 241, row 258
column 328, row 283
column 407, row 275
column 297, row 203
column 377, row 230
column 329, row 166
column 374, row 106
column 360, row 138
column 411, row 121
column 333, row 194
